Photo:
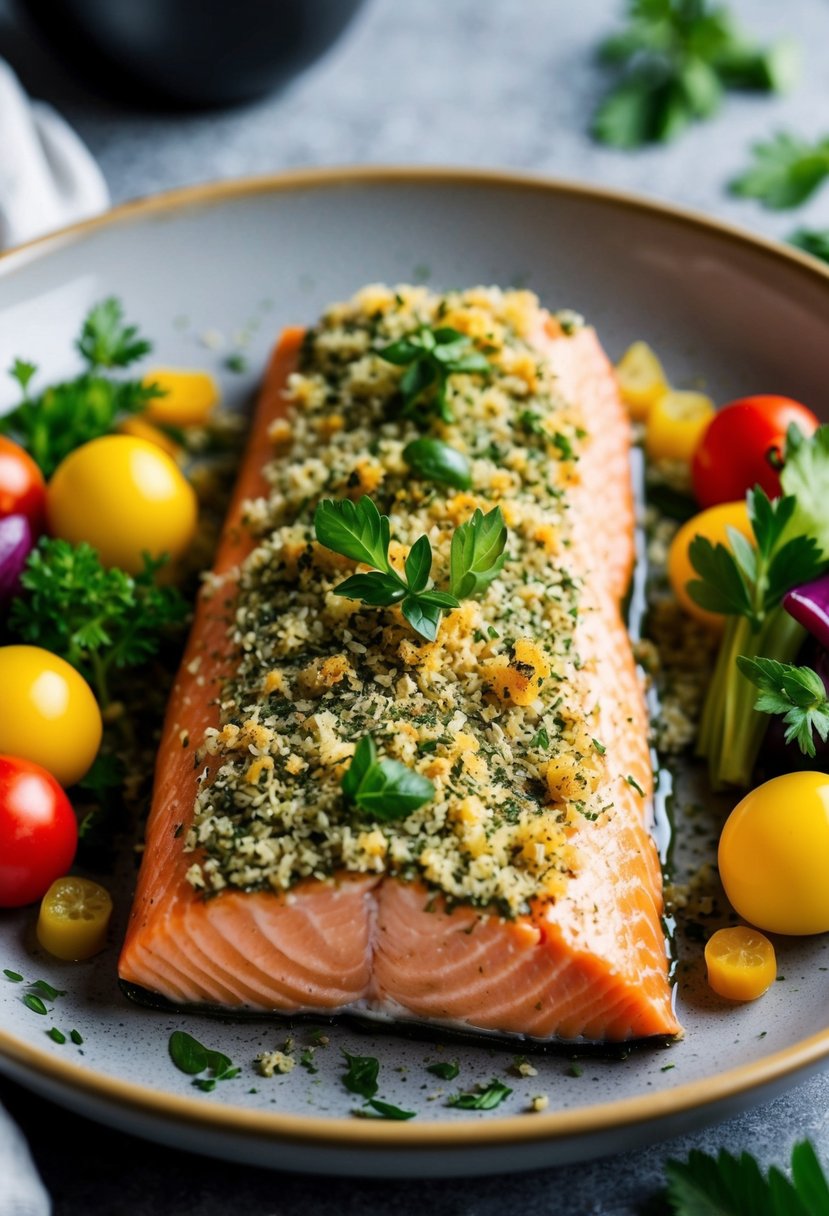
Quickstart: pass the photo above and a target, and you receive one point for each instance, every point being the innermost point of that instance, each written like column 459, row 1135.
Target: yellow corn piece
column 642, row 379
column 190, row 396
column 741, row 963
column 675, row 424
column 74, row 918
column 139, row 428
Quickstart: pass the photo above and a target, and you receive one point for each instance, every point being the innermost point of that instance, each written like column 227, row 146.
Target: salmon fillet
column 587, row 960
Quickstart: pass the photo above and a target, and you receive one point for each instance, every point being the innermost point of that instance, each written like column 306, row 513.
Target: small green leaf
column 721, row 586
column 635, row 784
column 434, row 460
column 477, row 553
column 106, row 341
column 361, row 1075
column 376, row 589
column 76, row 1037
column 391, row 791
column 446, row 1070
column 540, row 739
column 423, row 615
column 485, row 1098
column 812, row 240
column 47, row 990
column 14, row 976
column 187, row 1053
column 418, row 564
column 355, row 530
column 383, row 1110
column 364, row 759
column 785, row 172
column 35, row 1004
column 57, row 1036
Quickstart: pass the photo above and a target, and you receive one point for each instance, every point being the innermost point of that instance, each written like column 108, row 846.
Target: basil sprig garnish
column 384, row 789
column 430, row 357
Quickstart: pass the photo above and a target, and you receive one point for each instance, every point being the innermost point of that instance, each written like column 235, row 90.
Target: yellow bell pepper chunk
column 675, row 424
column 741, row 963
column 140, row 429
column 189, row 399
column 74, row 918
column 642, row 379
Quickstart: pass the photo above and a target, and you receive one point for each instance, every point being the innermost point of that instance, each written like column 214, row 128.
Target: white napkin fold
column 47, row 176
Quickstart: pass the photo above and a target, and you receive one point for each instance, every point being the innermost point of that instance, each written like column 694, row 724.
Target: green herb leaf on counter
column 785, row 171
column 484, row 1098
column 430, row 357
column 361, row 1074
column 736, row 1186
column 477, row 554
column 47, row 990
column 375, row 1109
column 76, row 1037
column 35, row 1004
column 57, row 1036
column 97, row 619
column 796, row 693
column 812, row 240
column 14, row 976
column 675, row 58
column 434, row 460
column 106, row 341
column 447, row 1070
column 187, row 1053
column 384, row 789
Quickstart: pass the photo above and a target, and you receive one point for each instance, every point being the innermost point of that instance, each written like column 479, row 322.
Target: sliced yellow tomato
column 74, row 918
column 676, row 422
column 774, row 855
column 189, row 396
column 642, row 380
column 139, row 428
column 741, row 963
column 125, row 497
column 48, row 713
column 713, row 524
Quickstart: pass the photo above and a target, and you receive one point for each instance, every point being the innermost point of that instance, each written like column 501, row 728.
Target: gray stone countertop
column 470, row 82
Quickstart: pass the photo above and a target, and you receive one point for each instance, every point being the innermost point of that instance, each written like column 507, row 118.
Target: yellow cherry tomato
column 774, row 855
column 712, row 524
column 189, row 396
column 124, row 496
column 642, row 380
column 74, row 918
column 741, row 963
column 139, row 429
column 676, row 421
column 47, row 713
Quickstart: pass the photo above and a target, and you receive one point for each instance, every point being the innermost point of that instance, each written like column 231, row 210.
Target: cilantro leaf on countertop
column 384, row 789
column 796, row 693
column 430, row 356
column 785, row 171
column 736, row 1186
column 674, row 60
column 97, row 619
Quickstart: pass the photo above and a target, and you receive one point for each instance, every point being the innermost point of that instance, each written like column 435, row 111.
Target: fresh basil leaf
column 390, row 790
column 447, row 1070
column 416, row 379
column 355, row 530
column 401, row 353
column 376, row 589
column 364, row 758
column 477, row 553
column 423, row 615
column 434, row 460
column 418, row 564
column 384, row 1110
column 486, row 1098
column 187, row 1053
column 361, row 1075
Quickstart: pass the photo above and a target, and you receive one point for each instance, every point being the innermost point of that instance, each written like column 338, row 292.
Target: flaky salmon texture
column 524, row 898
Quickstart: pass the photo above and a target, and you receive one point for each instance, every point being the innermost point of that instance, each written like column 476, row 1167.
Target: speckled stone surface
column 500, row 83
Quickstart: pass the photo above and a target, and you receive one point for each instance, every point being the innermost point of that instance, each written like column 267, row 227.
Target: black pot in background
column 189, row 52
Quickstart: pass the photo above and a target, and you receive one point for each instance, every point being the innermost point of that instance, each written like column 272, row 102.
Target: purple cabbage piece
column 16, row 543
column 809, row 605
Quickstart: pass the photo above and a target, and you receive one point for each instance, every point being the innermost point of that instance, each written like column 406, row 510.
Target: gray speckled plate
column 233, row 264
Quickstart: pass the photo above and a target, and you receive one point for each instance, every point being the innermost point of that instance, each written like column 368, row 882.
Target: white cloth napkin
column 47, row 176
column 47, row 179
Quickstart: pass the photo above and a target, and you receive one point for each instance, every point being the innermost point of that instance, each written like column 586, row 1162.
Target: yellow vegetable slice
column 74, row 918
column 675, row 424
column 138, row 428
column 713, row 524
column 189, row 399
column 642, row 380
column 741, row 963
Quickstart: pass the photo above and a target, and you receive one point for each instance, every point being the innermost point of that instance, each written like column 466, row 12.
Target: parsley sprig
column 384, row 789
column 430, row 356
column 736, row 1186
column 98, row 619
column 358, row 531
column 65, row 415
column 675, row 59
column 785, row 171
column 796, row 693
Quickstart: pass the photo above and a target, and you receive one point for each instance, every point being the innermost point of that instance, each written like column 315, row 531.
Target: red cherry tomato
column 38, row 832
column 740, row 445
column 22, row 488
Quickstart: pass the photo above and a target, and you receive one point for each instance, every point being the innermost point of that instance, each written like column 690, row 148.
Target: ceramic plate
column 208, row 269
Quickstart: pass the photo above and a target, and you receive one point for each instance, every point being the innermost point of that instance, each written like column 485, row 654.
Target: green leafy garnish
column 540, row 739
column 360, row 532
column 236, row 362
column 35, row 1004
column 97, row 619
column 57, row 1036
column 675, row 58
column 805, row 476
column 306, row 1059
column 76, row 1037
column 797, row 693
column 360, row 1076
column 484, row 1098
column 14, row 976
column 47, row 990
column 106, row 341
column 384, row 789
column 192, row 1057
column 430, row 357
column 446, row 1070
column 785, row 172
column 434, row 460
column 375, row 1109
column 736, row 1186
column 812, row 240
column 635, row 784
